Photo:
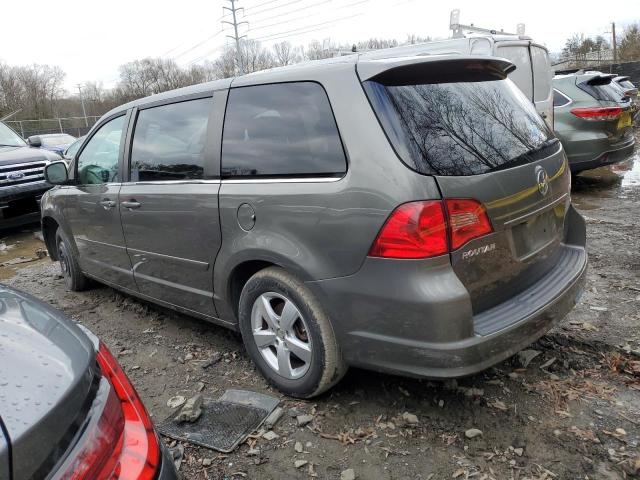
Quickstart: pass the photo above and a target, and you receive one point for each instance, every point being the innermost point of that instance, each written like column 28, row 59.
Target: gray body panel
column 5, row 462
column 589, row 144
column 437, row 317
column 45, row 376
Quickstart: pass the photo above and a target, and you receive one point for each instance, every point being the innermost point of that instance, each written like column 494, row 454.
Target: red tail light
column 467, row 220
column 414, row 230
column 430, row 228
column 597, row 113
column 123, row 444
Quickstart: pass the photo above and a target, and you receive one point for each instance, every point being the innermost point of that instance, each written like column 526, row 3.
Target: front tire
column 69, row 268
column 287, row 334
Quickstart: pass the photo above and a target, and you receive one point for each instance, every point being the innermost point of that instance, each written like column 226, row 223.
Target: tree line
column 581, row 49
column 37, row 91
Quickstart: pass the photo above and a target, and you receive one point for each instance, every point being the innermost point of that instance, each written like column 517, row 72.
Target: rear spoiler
column 621, row 79
column 434, row 69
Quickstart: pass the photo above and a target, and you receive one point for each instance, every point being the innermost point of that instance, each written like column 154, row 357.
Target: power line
column 276, row 7
column 261, row 4
column 305, row 16
column 280, row 15
column 310, row 26
column 210, row 37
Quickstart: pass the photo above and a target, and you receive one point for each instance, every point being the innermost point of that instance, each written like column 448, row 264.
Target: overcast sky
column 90, row 39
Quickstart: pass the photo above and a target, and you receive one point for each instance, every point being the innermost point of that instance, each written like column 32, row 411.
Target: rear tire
column 69, row 267
column 287, row 334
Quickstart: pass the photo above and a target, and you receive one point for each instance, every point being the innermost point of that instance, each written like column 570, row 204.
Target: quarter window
column 281, row 129
column 560, row 99
column 169, row 142
column 98, row 162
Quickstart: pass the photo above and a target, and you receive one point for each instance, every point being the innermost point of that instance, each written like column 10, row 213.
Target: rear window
column 602, row 89
column 285, row 129
column 522, row 76
column 461, row 128
column 627, row 84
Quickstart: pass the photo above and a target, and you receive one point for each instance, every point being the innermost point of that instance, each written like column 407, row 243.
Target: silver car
column 409, row 215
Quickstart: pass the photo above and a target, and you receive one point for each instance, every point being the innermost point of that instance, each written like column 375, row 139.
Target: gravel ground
column 572, row 413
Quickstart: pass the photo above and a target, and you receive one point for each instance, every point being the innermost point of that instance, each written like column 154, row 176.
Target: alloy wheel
column 281, row 335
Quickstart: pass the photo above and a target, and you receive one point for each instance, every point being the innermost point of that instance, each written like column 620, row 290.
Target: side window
column 281, row 129
column 98, row 162
column 541, row 74
column 560, row 99
column 169, row 141
column 521, row 76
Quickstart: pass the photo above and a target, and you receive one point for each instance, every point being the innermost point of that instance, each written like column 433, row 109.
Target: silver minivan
column 409, row 215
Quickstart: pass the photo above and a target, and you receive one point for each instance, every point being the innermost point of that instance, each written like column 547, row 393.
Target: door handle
column 131, row 204
column 107, row 204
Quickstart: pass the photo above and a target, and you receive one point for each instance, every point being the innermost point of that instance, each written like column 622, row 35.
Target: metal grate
column 223, row 424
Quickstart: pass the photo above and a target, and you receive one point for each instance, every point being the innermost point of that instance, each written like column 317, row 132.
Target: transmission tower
column 234, row 10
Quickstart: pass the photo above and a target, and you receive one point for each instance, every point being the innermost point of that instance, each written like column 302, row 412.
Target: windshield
column 9, row 138
column 465, row 128
column 53, row 140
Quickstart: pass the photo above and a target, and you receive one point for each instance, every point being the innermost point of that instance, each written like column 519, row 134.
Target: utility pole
column 84, row 111
column 234, row 10
column 613, row 38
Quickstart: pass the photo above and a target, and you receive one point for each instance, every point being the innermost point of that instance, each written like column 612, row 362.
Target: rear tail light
column 467, row 220
column 597, row 113
column 426, row 229
column 123, row 445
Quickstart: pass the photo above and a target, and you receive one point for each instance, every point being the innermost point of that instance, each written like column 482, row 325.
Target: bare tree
column 630, row 43
column 286, row 54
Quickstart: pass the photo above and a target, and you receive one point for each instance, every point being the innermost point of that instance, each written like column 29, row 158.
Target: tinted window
column 522, row 76
column 282, row 129
column 602, row 89
column 169, row 141
column 98, row 162
column 559, row 99
column 461, row 128
column 541, row 74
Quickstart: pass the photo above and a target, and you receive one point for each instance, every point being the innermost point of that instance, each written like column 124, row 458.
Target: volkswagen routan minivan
column 409, row 215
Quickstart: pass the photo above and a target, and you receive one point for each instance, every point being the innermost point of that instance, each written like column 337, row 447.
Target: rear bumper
column 613, row 154
column 412, row 319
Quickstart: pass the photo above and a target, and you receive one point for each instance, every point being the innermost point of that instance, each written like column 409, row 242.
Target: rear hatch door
column 608, row 94
column 473, row 130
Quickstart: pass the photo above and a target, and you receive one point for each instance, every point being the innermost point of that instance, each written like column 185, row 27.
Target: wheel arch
column 49, row 228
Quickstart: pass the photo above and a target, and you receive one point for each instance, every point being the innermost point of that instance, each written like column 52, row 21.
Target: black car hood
column 46, row 371
column 11, row 155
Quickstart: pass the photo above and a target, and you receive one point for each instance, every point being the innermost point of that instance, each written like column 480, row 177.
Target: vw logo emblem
column 15, row 176
column 542, row 179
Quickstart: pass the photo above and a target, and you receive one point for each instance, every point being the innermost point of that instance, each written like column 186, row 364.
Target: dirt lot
column 573, row 413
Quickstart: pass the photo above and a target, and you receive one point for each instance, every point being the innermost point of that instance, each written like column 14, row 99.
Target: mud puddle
column 19, row 248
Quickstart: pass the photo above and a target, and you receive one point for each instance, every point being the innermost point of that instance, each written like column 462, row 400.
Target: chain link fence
column 76, row 126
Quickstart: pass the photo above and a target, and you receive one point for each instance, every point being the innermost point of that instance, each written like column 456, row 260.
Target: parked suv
column 21, row 179
column 593, row 119
column 408, row 215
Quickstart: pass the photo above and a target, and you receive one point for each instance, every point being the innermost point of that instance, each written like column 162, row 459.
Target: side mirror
column 56, row 173
column 34, row 141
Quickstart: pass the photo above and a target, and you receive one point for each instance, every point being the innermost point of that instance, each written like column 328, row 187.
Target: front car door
column 169, row 206
column 91, row 206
